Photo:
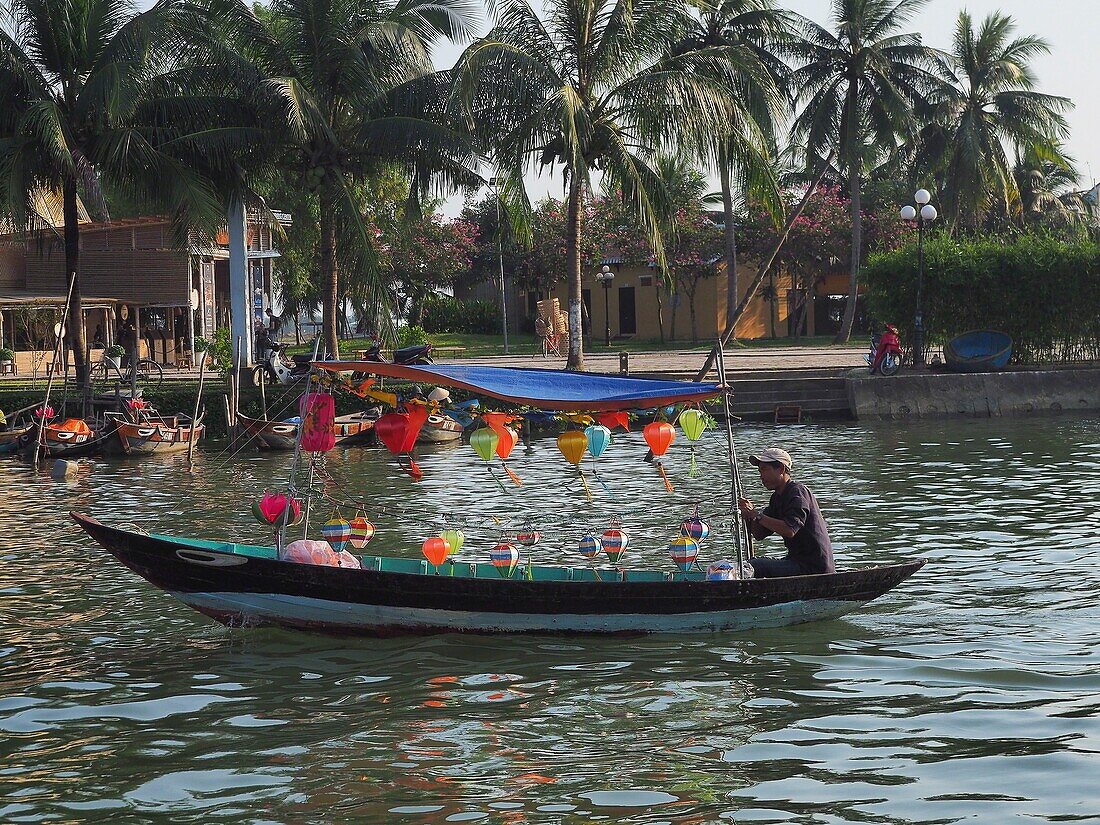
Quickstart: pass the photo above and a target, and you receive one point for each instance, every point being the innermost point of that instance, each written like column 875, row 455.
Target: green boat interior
column 460, row 569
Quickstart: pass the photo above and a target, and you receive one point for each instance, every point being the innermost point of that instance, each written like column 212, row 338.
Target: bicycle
column 105, row 375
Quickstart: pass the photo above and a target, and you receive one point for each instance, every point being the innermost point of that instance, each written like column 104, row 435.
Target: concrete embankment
column 977, row 395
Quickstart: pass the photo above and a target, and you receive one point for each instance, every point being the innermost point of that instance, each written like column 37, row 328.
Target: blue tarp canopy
column 541, row 389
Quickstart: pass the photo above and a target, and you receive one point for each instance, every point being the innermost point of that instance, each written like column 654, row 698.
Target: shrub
column 409, row 336
column 115, row 351
column 442, row 313
column 1042, row 291
column 7, row 354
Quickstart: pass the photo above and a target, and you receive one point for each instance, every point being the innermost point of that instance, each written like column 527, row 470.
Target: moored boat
column 440, row 429
column 152, row 434
column 9, row 439
column 978, row 351
column 247, row 585
column 67, row 438
column 267, row 435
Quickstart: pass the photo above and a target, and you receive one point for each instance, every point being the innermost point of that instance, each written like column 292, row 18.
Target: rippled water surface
column 971, row 693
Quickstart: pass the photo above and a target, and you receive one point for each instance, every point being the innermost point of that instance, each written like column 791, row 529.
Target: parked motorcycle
column 279, row 368
column 885, row 355
column 416, row 354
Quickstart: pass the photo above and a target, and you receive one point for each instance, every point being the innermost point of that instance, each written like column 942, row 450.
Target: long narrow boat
column 351, row 430
column 249, row 585
column 246, row 585
column 152, row 434
column 9, row 439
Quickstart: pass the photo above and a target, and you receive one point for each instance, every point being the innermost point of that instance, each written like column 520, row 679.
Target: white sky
column 1070, row 27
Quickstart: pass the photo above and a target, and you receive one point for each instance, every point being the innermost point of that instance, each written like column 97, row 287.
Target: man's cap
column 772, row 455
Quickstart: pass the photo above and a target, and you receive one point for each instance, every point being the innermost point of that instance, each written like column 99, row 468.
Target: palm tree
column 92, row 100
column 860, row 84
column 347, row 90
column 1047, row 187
column 990, row 107
column 594, row 86
column 755, row 31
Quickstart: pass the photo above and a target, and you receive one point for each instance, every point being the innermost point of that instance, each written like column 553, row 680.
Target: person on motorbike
column 792, row 513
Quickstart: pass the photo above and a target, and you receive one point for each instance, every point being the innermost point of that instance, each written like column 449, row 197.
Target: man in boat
column 792, row 513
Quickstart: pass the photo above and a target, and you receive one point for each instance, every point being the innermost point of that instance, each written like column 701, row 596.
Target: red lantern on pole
column 659, row 435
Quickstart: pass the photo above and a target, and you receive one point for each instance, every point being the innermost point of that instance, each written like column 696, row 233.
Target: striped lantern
column 694, row 528
column 362, row 531
column 529, row 537
column 684, row 550
column 614, row 544
column 336, row 532
column 590, row 547
column 505, row 558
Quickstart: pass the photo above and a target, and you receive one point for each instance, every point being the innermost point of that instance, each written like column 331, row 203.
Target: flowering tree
column 426, row 255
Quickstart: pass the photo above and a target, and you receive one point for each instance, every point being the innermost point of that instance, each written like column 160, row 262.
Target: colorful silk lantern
column 590, row 547
column 455, row 538
column 318, row 412
column 529, row 537
column 573, row 444
column 659, row 435
column 337, row 532
column 611, row 420
column 399, row 431
column 435, row 550
column 484, row 442
column 362, row 531
column 614, row 543
column 684, row 552
column 693, row 422
column 505, row 558
column 507, row 439
column 598, row 437
column 273, row 508
column 694, row 528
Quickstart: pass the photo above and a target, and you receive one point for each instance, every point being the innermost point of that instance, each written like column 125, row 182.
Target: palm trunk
column 329, row 271
column 675, row 310
column 574, row 219
column 854, row 165
column 74, row 326
column 731, row 245
column 660, row 313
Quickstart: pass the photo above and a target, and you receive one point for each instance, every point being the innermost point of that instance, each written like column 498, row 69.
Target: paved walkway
column 742, row 361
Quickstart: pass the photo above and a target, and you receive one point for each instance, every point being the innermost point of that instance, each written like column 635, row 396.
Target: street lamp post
column 927, row 214
column 495, row 183
column 605, row 276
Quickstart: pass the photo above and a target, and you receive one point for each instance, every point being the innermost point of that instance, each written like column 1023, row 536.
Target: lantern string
column 500, row 484
column 511, row 474
column 584, row 481
column 664, row 475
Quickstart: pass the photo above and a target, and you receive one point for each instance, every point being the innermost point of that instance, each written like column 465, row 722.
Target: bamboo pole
column 53, row 368
column 195, row 415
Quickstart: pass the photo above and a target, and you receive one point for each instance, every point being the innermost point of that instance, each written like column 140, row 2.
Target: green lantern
column 484, row 442
column 694, row 423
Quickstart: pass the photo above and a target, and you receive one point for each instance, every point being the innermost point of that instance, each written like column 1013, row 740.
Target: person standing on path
column 793, row 514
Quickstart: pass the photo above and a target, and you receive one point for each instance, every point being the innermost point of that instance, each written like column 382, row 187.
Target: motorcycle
column 279, row 368
column 885, row 354
column 416, row 354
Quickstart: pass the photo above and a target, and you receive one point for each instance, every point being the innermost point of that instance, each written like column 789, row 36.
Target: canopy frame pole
column 40, row 438
column 735, row 477
column 291, row 488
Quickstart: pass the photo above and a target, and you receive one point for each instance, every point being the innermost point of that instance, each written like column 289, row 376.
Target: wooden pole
column 53, row 368
column 195, row 415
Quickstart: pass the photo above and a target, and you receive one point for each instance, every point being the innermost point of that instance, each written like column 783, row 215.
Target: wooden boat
column 439, row 429
column 9, row 439
column 350, row 430
column 267, row 435
column 245, row 585
column 67, row 438
column 978, row 351
column 152, row 434
column 249, row 585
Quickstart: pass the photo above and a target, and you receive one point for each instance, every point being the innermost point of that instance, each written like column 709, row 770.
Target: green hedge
column 445, row 314
column 1043, row 292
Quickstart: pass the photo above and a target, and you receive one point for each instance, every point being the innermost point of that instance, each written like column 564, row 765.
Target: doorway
column 628, row 319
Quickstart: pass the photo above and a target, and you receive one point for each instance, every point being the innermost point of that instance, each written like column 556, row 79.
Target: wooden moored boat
column 440, row 429
column 152, row 434
column 978, row 351
column 245, row 585
column 9, row 439
column 350, row 431
column 67, row 438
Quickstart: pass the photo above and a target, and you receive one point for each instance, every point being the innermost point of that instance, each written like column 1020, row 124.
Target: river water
column 971, row 693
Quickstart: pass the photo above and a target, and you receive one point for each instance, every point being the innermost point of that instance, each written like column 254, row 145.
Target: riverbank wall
column 975, row 395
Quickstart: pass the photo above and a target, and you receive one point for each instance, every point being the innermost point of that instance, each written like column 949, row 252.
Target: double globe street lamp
column 927, row 213
column 605, row 276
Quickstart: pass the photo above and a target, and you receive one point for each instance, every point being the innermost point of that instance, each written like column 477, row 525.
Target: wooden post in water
column 263, row 393
column 41, row 435
column 735, row 476
column 195, row 415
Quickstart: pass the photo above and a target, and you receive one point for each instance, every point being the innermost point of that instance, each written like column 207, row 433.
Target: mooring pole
column 195, row 415
column 291, row 488
column 41, row 437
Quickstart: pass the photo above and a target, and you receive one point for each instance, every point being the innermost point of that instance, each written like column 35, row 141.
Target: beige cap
column 772, row 455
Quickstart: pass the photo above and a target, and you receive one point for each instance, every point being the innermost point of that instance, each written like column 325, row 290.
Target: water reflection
column 970, row 694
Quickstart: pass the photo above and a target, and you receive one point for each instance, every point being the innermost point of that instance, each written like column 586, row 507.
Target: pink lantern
column 318, row 412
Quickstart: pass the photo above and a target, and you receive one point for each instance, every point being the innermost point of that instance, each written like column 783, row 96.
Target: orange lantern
column 435, row 550
column 659, row 435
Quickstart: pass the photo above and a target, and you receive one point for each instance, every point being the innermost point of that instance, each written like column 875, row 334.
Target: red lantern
column 390, row 429
column 509, row 438
column 611, row 420
column 436, row 550
column 318, row 412
column 659, row 435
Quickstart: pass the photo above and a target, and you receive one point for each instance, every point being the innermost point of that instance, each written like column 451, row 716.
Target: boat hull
column 241, row 590
column 440, row 429
column 58, row 443
column 267, row 435
column 147, row 438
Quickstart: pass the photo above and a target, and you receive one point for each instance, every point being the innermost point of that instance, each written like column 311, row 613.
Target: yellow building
column 629, row 305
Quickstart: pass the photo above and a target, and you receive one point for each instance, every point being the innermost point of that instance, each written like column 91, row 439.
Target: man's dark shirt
column 810, row 546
